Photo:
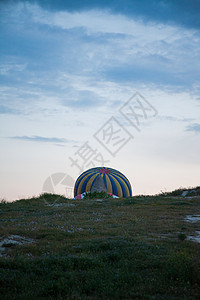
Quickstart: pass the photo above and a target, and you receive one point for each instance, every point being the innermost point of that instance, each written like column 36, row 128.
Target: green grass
column 97, row 195
column 192, row 191
column 134, row 248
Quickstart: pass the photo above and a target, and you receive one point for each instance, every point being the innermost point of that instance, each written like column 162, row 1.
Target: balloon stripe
column 127, row 183
column 94, row 180
column 104, row 179
column 109, row 185
column 82, row 182
column 119, row 189
column 115, row 182
column 79, row 180
column 124, row 184
column 114, row 186
column 90, row 182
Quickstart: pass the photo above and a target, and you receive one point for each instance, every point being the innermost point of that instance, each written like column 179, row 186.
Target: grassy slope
column 113, row 249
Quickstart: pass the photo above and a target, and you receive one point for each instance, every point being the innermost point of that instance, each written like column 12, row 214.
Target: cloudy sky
column 91, row 83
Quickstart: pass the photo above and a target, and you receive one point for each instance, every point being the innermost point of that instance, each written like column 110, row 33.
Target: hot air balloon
column 103, row 179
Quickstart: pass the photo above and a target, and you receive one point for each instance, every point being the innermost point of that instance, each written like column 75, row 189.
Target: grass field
column 135, row 248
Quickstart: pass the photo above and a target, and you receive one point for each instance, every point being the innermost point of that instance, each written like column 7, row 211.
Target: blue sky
column 67, row 67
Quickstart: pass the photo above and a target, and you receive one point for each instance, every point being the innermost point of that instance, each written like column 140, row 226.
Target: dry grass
column 133, row 248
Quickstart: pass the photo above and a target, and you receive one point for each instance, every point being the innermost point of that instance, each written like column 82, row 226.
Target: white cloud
column 96, row 21
column 58, row 84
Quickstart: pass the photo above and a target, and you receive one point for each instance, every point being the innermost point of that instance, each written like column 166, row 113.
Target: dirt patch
column 192, row 219
column 13, row 240
column 194, row 238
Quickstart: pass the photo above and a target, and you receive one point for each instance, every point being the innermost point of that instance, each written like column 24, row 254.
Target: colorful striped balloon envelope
column 114, row 182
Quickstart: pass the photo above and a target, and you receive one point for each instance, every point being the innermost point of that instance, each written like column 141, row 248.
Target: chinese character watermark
column 113, row 136
column 86, row 157
column 137, row 109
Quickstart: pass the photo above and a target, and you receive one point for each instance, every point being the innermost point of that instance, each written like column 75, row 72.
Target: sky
column 99, row 83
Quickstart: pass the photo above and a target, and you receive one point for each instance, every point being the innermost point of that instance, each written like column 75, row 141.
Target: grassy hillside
column 135, row 248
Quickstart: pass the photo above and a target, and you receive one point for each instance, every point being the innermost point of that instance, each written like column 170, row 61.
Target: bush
column 97, row 195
